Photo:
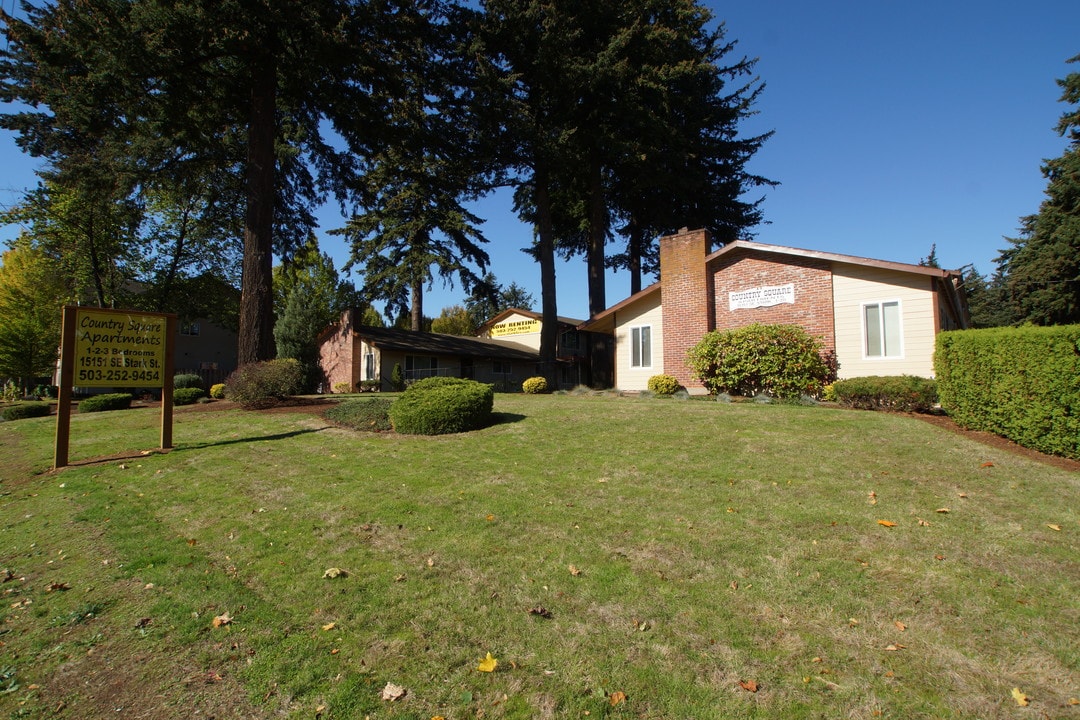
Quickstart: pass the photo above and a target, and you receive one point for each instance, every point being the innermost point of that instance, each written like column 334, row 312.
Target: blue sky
column 898, row 126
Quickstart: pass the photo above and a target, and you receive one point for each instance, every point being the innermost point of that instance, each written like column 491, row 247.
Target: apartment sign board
column 119, row 349
column 518, row 327
column 764, row 296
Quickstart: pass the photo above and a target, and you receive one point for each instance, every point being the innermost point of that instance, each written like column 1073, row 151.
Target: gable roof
column 830, row 257
column 605, row 320
column 440, row 344
column 527, row 313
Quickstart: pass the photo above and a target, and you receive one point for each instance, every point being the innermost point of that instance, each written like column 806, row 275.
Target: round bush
column 217, row 391
column 26, row 410
column 783, row 361
column 436, row 406
column 108, row 401
column 366, row 415
column 262, row 384
column 663, row 384
column 187, row 380
column 343, row 387
column 534, row 386
column 187, row 395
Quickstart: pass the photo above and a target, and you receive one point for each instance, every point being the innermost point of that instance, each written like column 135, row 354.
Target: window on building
column 501, row 367
column 881, row 325
column 641, row 346
column 369, row 366
column 190, row 328
column 420, row 366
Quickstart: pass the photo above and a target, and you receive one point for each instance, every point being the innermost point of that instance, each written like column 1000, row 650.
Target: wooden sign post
column 114, row 349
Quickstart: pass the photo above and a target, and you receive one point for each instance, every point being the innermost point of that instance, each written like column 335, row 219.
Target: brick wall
column 744, row 269
column 687, row 299
column 336, row 354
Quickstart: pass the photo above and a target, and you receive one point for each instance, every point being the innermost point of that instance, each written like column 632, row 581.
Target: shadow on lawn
column 255, row 438
column 505, row 418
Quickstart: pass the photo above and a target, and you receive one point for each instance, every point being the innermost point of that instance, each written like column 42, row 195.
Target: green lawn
column 620, row 558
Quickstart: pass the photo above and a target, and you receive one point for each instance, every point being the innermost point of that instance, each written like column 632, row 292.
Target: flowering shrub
column 342, row 387
column 534, row 386
column 783, row 361
column 217, row 391
column 663, row 384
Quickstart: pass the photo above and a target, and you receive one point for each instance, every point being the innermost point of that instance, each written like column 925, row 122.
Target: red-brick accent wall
column 744, row 269
column 687, row 299
column 336, row 353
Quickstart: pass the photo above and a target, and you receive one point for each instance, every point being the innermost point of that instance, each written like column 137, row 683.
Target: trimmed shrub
column 342, row 387
column 370, row 385
column 903, row 393
column 783, row 361
column 663, row 384
column 217, row 391
column 1021, row 383
column 26, row 410
column 108, row 401
column 440, row 405
column 534, row 386
column 263, row 384
column 187, row 380
column 366, row 415
column 397, row 378
column 187, row 395
column 46, row 391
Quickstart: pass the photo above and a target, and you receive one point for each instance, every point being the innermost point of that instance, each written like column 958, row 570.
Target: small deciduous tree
column 32, row 295
column 453, row 320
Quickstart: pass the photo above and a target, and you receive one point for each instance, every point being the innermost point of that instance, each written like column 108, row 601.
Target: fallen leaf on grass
column 987, row 464
column 1021, row 699
column 329, row 626
column 1074, row 701
column 488, row 664
column 939, row 557
column 54, row 587
column 962, row 495
column 886, row 523
column 616, row 697
column 490, row 518
column 574, row 570
column 540, row 611
column 223, row 619
column 1056, row 528
column 923, row 523
column 943, row 510
column 895, row 647
column 872, row 497
column 899, row 625
column 393, row 692
column 749, row 685
column 335, row 573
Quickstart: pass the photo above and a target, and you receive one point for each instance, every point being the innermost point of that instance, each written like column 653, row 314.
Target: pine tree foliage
column 1042, row 267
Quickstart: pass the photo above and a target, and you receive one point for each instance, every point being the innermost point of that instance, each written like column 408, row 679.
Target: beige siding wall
column 645, row 312
column 853, row 287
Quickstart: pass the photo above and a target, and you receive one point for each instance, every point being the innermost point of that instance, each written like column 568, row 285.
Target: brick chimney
column 686, row 294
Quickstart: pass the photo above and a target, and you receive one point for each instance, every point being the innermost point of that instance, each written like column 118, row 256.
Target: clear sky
column 898, row 126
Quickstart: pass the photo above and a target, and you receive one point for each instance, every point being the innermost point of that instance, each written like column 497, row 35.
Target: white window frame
column 636, row 348
column 898, row 354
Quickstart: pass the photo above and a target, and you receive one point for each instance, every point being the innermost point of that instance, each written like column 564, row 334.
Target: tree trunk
column 597, row 238
column 545, row 256
column 256, row 296
column 416, row 305
column 633, row 254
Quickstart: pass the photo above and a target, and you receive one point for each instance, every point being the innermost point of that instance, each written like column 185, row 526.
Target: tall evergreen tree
column 1042, row 267
column 410, row 223
column 158, row 86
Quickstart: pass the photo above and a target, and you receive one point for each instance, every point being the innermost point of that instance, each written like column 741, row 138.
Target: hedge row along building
column 878, row 317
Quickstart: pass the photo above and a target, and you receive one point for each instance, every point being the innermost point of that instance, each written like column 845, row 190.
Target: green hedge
column 903, row 393
column 26, row 410
column 436, row 406
column 108, row 401
column 187, row 395
column 187, row 380
column 1020, row 383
